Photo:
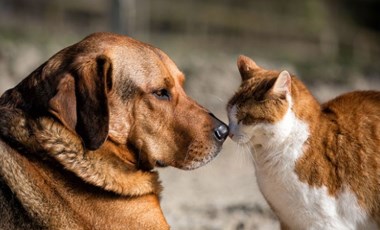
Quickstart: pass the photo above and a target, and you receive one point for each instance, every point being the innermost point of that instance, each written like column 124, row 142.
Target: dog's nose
column 221, row 131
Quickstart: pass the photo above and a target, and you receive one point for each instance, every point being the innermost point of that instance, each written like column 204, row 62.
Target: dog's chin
column 161, row 164
column 197, row 162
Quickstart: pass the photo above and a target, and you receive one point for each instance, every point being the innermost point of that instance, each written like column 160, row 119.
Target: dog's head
column 113, row 88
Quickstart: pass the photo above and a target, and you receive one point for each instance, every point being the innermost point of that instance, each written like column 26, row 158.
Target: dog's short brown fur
column 81, row 134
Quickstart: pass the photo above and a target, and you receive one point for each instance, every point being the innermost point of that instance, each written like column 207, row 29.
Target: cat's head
column 263, row 99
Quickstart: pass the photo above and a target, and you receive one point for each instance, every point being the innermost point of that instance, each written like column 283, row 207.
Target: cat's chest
column 281, row 187
column 291, row 198
column 304, row 206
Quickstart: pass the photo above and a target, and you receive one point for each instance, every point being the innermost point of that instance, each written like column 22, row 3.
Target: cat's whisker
column 246, row 149
column 247, row 153
column 237, row 151
column 253, row 154
column 243, row 153
column 218, row 98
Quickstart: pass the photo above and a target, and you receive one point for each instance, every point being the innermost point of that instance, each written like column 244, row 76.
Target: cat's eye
column 162, row 94
column 241, row 120
column 247, row 119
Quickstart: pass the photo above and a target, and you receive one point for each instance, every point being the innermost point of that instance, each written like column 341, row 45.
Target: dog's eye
column 162, row 94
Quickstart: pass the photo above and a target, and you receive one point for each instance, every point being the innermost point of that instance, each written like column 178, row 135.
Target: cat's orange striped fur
column 317, row 165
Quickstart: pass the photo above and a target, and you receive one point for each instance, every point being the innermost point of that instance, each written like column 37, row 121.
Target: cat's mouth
column 239, row 138
column 236, row 135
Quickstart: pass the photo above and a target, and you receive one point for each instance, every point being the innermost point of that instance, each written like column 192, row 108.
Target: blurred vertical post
column 131, row 17
column 143, row 15
column 123, row 16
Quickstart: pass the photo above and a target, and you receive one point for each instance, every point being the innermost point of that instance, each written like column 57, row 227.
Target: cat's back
column 352, row 128
column 357, row 111
column 368, row 100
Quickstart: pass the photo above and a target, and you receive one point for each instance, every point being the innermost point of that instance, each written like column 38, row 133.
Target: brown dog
column 82, row 133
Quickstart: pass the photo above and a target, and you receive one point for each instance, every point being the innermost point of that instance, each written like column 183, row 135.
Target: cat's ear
column 246, row 66
column 282, row 86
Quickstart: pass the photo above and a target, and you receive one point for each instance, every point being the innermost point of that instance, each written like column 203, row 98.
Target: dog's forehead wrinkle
column 169, row 82
column 170, row 67
column 145, row 70
column 127, row 89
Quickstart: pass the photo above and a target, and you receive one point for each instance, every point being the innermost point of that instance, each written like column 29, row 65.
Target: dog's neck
column 47, row 136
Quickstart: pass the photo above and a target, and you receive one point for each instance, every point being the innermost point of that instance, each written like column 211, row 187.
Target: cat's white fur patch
column 276, row 148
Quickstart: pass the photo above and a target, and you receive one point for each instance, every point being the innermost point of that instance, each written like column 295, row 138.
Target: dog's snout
column 221, row 130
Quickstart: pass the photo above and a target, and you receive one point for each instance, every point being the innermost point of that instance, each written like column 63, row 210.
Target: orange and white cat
column 317, row 165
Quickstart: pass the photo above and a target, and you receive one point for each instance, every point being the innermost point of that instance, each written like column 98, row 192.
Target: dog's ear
column 81, row 102
column 63, row 105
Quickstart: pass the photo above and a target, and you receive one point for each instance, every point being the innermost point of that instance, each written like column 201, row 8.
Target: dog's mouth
column 199, row 163
column 161, row 164
column 194, row 161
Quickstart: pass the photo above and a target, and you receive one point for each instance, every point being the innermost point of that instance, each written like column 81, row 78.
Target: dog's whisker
column 187, row 153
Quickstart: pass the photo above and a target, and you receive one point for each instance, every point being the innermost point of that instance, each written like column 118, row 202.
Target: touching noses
column 221, row 132
column 220, row 129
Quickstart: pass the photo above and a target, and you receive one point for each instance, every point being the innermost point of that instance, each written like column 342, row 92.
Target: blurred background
column 333, row 46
